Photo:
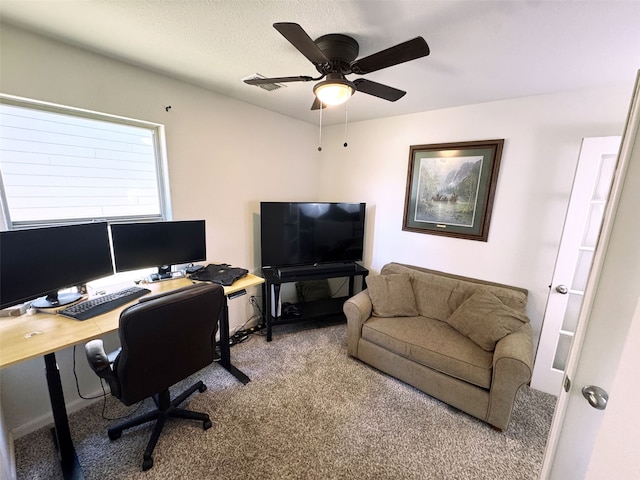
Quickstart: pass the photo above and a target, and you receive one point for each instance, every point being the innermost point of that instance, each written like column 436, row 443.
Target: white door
column 610, row 300
column 591, row 187
column 616, row 447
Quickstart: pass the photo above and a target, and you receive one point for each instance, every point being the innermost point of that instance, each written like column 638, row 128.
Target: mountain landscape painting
column 448, row 190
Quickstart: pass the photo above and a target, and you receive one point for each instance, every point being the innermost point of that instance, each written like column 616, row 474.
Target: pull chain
column 320, row 134
column 346, row 112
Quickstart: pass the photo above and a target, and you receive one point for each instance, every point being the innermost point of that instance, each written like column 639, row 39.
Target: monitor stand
column 55, row 299
column 164, row 273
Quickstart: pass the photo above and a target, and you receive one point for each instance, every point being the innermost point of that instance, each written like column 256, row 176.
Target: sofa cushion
column 438, row 297
column 392, row 295
column 486, row 320
column 434, row 344
column 439, row 294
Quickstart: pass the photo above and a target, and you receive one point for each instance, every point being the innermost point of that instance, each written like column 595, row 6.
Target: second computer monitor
column 158, row 244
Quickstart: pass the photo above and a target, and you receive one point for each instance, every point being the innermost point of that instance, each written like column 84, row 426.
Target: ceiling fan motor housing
column 340, row 49
column 335, row 56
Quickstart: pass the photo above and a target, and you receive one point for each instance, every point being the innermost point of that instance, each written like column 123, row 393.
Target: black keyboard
column 106, row 303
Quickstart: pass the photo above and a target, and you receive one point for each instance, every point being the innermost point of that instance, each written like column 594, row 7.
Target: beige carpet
column 310, row 412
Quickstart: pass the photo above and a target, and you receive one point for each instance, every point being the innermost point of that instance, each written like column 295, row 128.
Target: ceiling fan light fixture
column 334, row 91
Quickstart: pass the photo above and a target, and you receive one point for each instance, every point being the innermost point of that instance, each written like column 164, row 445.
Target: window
column 64, row 165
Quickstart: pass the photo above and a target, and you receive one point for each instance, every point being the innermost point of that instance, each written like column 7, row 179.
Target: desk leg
column 225, row 349
column 266, row 304
column 62, row 434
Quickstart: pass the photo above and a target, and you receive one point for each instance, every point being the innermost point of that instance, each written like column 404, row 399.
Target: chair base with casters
column 164, row 339
column 166, row 408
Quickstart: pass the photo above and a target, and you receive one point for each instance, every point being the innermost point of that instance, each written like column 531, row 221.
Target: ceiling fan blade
column 378, row 89
column 317, row 104
column 403, row 52
column 299, row 39
column 262, row 81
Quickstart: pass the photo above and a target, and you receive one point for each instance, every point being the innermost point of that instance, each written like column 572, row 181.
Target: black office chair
column 164, row 339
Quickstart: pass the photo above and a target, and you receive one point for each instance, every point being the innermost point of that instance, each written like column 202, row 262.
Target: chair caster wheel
column 147, row 463
column 202, row 388
column 114, row 435
column 206, row 425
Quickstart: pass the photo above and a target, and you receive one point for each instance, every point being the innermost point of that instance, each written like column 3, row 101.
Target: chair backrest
column 165, row 338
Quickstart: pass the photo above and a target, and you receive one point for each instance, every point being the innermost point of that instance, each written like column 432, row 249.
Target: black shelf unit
column 316, row 310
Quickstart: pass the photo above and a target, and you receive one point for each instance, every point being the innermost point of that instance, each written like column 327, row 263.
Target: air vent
column 269, row 87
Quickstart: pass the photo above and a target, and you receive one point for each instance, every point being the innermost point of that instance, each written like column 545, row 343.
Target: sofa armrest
column 512, row 368
column 357, row 309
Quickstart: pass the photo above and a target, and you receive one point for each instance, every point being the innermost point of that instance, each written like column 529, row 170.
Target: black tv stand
column 316, row 268
column 320, row 309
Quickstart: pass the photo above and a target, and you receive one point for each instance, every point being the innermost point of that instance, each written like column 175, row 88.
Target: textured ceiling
column 480, row 50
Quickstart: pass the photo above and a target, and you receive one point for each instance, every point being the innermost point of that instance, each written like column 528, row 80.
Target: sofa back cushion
column 438, row 294
column 392, row 295
column 485, row 320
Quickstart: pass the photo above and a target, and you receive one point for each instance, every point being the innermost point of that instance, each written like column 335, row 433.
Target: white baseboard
column 8, row 457
column 12, row 460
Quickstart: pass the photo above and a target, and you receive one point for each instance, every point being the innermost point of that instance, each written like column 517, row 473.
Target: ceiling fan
column 334, row 56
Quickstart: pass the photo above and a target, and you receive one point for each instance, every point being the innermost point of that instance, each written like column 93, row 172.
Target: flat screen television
column 158, row 244
column 40, row 261
column 308, row 233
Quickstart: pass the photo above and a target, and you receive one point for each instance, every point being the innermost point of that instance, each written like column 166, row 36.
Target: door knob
column 562, row 289
column 596, row 396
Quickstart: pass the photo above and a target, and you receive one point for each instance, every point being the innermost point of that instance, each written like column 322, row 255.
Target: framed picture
column 450, row 188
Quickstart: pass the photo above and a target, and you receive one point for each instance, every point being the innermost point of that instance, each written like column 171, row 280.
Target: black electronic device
column 318, row 268
column 158, row 244
column 311, row 233
column 238, row 293
column 193, row 268
column 41, row 261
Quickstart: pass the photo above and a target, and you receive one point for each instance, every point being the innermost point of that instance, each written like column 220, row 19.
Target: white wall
column 542, row 141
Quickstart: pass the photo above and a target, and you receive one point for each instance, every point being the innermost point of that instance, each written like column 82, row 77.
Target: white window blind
column 63, row 165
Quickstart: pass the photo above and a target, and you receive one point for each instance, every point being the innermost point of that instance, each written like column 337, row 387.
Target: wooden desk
column 28, row 336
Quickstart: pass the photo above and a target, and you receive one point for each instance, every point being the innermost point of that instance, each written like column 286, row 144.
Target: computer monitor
column 41, row 261
column 158, row 244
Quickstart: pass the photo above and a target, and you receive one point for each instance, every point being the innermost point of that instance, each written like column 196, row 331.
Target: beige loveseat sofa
column 466, row 342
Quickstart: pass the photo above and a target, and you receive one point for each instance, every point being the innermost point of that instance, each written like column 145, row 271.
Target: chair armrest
column 512, row 368
column 113, row 355
column 97, row 357
column 357, row 309
column 101, row 363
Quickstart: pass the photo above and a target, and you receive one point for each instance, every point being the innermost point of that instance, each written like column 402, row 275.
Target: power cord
column 242, row 334
column 103, row 396
column 75, row 374
column 103, row 414
column 254, row 301
column 262, row 322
